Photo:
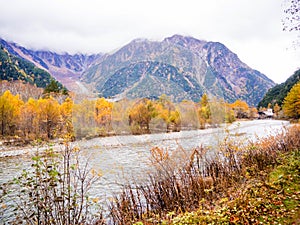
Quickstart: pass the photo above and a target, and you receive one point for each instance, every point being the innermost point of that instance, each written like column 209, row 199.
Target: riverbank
column 270, row 197
column 14, row 151
column 257, row 183
column 238, row 128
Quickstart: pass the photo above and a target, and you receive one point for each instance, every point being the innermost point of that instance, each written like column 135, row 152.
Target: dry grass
column 200, row 181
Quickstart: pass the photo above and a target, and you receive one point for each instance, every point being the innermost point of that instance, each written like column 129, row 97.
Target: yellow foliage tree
column 28, row 120
column 83, row 118
column 204, row 113
column 276, row 109
column 10, row 106
column 140, row 116
column 103, row 112
column 229, row 113
column 170, row 115
column 66, row 114
column 291, row 103
column 240, row 108
column 48, row 117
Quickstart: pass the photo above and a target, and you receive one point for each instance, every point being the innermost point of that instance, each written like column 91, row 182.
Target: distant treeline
column 52, row 116
column 49, row 114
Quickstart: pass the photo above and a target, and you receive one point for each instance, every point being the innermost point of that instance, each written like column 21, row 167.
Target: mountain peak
column 182, row 67
column 184, row 40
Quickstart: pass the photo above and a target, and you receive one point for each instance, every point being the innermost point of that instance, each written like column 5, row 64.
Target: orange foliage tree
column 48, row 116
column 103, row 113
column 9, row 113
column 166, row 110
column 140, row 116
column 28, row 120
column 240, row 108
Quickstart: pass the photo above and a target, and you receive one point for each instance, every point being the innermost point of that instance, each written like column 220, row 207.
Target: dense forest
column 280, row 91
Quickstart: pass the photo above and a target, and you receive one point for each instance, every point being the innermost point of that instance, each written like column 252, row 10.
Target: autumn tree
column 120, row 115
column 24, row 90
column 217, row 112
column 83, row 118
column 188, row 114
column 28, row 119
column 140, row 116
column 9, row 113
column 276, row 109
column 229, row 113
column 66, row 115
column 291, row 103
column 240, row 108
column 170, row 115
column 252, row 112
column 103, row 114
column 48, row 116
column 204, row 113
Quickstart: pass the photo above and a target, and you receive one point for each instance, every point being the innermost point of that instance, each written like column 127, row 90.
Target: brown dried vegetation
column 202, row 185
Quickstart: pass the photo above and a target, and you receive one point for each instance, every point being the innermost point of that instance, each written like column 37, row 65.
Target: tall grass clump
column 200, row 181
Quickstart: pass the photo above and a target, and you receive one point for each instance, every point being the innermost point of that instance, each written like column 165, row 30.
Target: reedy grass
column 202, row 186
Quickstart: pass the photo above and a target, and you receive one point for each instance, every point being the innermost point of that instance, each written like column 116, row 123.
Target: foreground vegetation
column 53, row 190
column 255, row 184
column 273, row 197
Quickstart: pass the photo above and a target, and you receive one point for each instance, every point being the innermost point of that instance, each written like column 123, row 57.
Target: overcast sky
column 250, row 28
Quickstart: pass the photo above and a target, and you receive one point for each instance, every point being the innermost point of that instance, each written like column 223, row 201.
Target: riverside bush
column 54, row 190
column 203, row 190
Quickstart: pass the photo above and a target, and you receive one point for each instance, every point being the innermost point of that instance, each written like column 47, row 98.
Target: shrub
column 54, row 190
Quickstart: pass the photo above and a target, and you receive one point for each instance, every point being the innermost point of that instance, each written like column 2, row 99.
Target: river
column 122, row 158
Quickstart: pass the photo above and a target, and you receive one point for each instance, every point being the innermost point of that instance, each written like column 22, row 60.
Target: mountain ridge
column 65, row 67
column 204, row 66
column 216, row 69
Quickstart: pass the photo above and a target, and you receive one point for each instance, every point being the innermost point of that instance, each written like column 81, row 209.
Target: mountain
column 280, row 91
column 14, row 68
column 65, row 68
column 181, row 67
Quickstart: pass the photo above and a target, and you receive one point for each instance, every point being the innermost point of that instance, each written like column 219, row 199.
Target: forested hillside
column 13, row 68
column 280, row 91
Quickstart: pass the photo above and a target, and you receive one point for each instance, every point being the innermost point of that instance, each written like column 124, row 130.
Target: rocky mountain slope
column 13, row 68
column 65, row 68
column 181, row 67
